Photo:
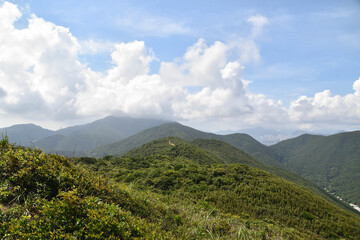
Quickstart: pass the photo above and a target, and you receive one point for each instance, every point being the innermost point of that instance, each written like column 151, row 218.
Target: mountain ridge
column 78, row 139
column 243, row 142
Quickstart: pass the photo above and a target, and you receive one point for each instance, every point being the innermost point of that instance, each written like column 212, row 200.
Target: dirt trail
column 171, row 143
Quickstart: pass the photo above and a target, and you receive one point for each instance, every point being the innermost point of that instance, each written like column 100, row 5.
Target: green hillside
column 47, row 197
column 332, row 162
column 226, row 152
column 241, row 141
column 215, row 151
column 251, row 146
column 180, row 148
column 234, row 189
column 160, row 196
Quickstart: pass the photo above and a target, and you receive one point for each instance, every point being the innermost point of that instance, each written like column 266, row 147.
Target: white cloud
column 94, row 47
column 224, row 91
column 325, row 109
column 130, row 60
column 258, row 21
column 247, row 50
column 127, row 87
column 39, row 68
column 41, row 77
column 9, row 13
column 356, row 87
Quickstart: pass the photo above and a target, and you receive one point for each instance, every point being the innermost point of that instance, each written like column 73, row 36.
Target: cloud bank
column 41, row 77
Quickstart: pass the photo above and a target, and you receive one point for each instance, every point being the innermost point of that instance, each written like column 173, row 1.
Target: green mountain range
column 77, row 140
column 332, row 162
column 166, row 189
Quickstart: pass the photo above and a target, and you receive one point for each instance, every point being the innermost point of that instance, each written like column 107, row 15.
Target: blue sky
column 289, row 51
column 307, row 46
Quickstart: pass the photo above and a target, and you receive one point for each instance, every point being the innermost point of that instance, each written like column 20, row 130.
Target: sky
column 212, row 65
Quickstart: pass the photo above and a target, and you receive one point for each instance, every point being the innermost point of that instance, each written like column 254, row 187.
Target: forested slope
column 234, row 189
column 332, row 162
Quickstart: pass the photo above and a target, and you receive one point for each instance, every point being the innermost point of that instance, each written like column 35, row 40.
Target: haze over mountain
column 76, row 140
column 268, row 136
column 25, row 134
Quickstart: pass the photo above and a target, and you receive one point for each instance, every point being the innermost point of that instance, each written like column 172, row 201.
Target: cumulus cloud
column 39, row 67
column 326, row 109
column 41, row 77
column 127, row 87
column 223, row 92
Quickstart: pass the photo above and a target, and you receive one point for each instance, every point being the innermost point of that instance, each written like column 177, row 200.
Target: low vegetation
column 157, row 194
column 180, row 176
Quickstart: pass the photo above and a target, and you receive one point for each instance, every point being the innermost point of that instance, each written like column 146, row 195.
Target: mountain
column 332, row 162
column 241, row 141
column 168, row 129
column 183, row 174
column 121, row 127
column 25, row 134
column 78, row 139
column 159, row 191
column 223, row 150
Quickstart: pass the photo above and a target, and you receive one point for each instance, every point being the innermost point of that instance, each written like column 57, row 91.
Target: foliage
column 332, row 162
column 235, row 189
column 43, row 196
column 214, row 151
column 225, row 150
column 179, row 192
